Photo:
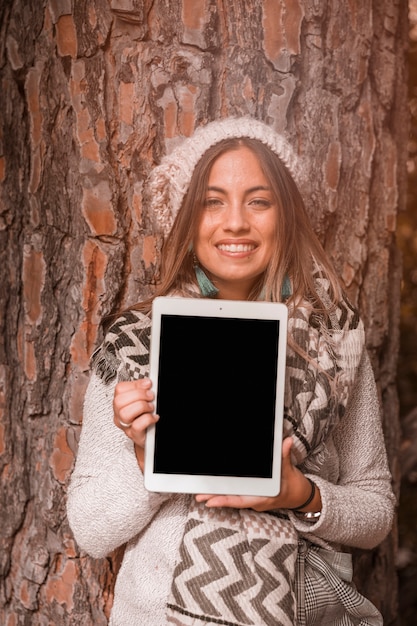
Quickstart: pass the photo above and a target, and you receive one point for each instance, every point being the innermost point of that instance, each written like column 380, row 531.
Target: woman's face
column 236, row 234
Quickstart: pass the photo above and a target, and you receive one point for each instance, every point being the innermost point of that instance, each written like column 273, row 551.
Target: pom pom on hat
column 168, row 182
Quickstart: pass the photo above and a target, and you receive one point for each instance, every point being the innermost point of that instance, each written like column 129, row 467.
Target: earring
column 286, row 289
column 208, row 290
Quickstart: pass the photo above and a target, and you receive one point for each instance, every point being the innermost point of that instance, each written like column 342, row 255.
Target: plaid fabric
column 325, row 592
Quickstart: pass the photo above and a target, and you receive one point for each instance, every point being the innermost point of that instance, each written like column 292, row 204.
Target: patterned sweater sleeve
column 107, row 503
column 358, row 507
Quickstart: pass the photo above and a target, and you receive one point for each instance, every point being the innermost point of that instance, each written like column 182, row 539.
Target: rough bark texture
column 92, row 94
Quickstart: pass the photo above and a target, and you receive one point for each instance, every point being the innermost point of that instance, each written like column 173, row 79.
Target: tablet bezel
column 208, row 484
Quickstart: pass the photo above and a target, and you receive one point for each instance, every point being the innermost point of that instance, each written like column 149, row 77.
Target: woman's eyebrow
column 251, row 190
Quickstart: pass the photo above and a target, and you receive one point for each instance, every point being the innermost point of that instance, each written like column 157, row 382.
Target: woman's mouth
column 236, row 247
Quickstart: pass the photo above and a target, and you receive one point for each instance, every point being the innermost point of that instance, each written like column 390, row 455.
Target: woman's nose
column 235, row 217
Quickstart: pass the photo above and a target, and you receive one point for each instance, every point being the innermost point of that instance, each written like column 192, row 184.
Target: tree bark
column 92, row 95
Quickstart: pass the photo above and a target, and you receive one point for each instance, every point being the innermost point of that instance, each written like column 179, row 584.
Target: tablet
column 218, row 373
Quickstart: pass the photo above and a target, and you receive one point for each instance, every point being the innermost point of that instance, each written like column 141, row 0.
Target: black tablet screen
column 216, row 396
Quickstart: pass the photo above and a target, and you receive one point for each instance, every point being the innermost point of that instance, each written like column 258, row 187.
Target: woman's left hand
column 295, row 489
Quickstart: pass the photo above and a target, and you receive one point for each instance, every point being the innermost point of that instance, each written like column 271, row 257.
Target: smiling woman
column 183, row 179
column 237, row 231
column 235, row 227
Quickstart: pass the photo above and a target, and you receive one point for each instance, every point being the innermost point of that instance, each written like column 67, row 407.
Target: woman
column 236, row 228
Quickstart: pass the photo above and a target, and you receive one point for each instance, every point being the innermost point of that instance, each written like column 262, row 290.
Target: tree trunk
column 92, row 94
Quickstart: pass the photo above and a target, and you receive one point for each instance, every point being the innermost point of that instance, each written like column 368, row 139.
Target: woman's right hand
column 133, row 412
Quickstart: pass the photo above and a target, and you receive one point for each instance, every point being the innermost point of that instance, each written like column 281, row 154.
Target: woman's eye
column 211, row 203
column 262, row 203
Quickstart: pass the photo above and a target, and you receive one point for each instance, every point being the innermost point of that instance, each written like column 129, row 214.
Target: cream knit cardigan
column 109, row 506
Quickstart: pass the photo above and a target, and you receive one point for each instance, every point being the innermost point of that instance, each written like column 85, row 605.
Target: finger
column 128, row 385
column 138, row 429
column 140, row 424
column 203, row 497
column 286, row 447
column 215, row 501
column 287, row 462
column 130, row 412
column 130, row 396
column 233, row 502
column 126, row 420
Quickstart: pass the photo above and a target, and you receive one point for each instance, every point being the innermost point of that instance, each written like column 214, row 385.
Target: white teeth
column 236, row 247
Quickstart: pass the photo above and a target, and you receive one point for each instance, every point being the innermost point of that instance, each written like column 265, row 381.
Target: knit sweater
column 108, row 505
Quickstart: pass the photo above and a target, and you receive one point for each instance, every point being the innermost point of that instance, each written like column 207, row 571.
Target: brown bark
column 92, row 94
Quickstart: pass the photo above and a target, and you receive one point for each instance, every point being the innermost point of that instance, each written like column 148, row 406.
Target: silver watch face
column 312, row 517
column 309, row 516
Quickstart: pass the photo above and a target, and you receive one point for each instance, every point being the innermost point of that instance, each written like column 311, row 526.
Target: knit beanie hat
column 168, row 182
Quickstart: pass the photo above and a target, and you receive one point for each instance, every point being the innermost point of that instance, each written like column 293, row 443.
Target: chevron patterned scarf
column 238, row 567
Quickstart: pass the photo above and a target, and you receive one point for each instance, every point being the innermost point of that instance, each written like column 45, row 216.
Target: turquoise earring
column 206, row 286
column 208, row 290
column 286, row 289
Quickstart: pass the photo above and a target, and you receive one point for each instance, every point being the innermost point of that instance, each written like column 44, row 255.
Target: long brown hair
column 298, row 253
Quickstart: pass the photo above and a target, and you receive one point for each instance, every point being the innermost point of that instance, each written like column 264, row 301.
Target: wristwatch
column 310, row 516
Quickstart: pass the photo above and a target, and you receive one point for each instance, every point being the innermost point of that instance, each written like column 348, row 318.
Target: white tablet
column 218, row 370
